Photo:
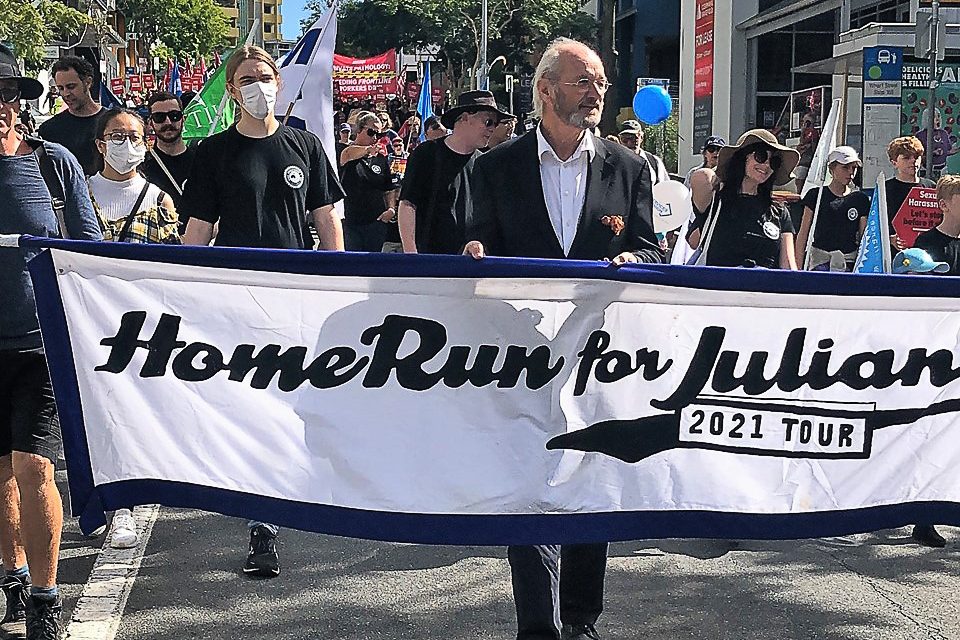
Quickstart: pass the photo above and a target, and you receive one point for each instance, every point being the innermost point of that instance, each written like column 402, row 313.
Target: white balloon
column 672, row 205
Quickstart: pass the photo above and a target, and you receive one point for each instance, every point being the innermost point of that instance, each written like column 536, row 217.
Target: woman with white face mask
column 129, row 208
column 261, row 181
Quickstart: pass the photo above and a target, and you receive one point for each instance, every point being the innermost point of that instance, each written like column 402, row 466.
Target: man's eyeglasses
column 118, row 138
column 10, row 94
column 584, row 84
column 763, row 155
column 161, row 116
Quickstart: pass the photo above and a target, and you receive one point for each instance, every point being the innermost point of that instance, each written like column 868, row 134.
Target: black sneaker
column 263, row 559
column 926, row 535
column 579, row 632
column 16, row 591
column 43, row 618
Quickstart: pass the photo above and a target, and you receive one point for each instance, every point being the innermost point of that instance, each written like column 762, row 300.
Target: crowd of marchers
column 464, row 182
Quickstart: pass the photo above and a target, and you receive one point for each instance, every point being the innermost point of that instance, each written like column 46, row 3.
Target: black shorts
column 28, row 413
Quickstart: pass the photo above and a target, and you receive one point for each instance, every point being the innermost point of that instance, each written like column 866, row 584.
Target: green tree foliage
column 193, row 27
column 31, row 25
column 518, row 29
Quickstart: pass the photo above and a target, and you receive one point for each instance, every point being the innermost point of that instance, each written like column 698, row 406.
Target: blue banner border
column 451, row 528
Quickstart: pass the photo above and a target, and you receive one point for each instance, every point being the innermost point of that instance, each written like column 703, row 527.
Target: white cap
column 844, row 155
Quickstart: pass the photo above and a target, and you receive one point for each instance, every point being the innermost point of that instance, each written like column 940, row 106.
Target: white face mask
column 258, row 99
column 125, row 157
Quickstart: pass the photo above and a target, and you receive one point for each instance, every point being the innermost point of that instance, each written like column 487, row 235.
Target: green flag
column 201, row 113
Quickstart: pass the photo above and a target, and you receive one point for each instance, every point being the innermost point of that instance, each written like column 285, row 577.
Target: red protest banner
column 918, row 213
column 365, row 77
column 149, row 82
column 186, row 84
column 117, row 86
column 136, row 82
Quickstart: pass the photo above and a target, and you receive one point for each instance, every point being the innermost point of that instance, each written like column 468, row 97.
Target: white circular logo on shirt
column 376, row 169
column 853, row 214
column 771, row 230
column 293, row 176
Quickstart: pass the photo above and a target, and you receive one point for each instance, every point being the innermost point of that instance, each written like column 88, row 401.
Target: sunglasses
column 712, row 149
column 10, row 94
column 161, row 116
column 434, row 127
column 373, row 133
column 763, row 155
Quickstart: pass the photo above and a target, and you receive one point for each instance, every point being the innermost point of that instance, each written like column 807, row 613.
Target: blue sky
column 293, row 13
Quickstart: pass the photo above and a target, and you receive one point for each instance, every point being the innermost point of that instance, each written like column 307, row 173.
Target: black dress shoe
column 579, row 632
column 926, row 535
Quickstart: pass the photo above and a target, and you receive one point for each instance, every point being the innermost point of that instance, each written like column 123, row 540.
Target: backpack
column 54, row 182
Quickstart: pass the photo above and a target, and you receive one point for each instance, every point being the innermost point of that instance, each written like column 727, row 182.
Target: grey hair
column 547, row 68
column 365, row 117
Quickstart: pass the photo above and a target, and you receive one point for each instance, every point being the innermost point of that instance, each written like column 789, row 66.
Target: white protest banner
column 444, row 400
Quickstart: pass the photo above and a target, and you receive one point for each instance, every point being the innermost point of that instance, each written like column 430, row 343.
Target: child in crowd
column 918, row 261
column 943, row 241
column 905, row 154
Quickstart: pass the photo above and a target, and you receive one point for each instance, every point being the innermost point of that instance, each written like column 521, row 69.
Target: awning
column 785, row 14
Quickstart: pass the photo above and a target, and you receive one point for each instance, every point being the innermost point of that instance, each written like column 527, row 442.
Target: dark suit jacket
column 509, row 213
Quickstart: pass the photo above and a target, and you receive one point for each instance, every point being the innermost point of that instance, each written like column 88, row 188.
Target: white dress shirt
column 565, row 185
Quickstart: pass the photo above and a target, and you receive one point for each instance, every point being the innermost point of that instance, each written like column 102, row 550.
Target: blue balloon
column 652, row 104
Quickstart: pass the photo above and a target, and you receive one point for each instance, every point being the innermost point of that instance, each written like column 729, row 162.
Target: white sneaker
column 123, row 533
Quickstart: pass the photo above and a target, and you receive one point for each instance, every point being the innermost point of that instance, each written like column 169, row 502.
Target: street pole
column 483, row 82
column 932, row 101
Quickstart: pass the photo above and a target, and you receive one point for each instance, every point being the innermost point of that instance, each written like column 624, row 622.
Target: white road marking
column 100, row 608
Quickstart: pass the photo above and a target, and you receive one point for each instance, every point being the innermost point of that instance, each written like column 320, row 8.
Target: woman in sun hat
column 737, row 222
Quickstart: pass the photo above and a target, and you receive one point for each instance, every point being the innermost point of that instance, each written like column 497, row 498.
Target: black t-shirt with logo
column 260, row 189
column 747, row 233
column 942, row 248
column 179, row 167
column 897, row 191
column 437, row 184
column 838, row 222
column 76, row 133
column 365, row 180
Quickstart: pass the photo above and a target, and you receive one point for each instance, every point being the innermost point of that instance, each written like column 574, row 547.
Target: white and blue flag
column 874, row 255
column 425, row 103
column 306, row 92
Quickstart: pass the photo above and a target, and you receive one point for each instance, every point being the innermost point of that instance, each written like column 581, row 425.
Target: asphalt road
column 862, row 587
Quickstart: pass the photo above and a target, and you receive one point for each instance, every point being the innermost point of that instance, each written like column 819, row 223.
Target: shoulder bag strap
column 55, row 186
column 133, row 213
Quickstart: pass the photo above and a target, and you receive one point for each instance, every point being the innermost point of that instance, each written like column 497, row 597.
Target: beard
column 569, row 111
column 168, row 135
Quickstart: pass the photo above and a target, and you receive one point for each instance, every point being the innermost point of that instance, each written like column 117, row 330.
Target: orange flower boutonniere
column 614, row 222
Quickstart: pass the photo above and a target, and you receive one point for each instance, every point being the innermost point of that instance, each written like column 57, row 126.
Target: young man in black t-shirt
column 260, row 180
column 905, row 154
column 436, row 187
column 169, row 164
column 943, row 241
column 76, row 127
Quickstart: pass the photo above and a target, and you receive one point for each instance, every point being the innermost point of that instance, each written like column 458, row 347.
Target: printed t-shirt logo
column 293, row 176
column 375, row 168
column 852, row 214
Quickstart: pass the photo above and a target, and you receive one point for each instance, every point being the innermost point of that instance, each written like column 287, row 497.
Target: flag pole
column 331, row 11
column 226, row 94
column 827, row 144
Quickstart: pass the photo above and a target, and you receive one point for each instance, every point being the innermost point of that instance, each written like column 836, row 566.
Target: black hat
column 30, row 89
column 471, row 101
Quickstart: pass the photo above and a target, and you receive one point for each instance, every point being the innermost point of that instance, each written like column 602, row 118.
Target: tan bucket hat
column 791, row 158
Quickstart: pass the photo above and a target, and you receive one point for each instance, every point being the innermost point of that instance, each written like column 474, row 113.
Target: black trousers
column 554, row 585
